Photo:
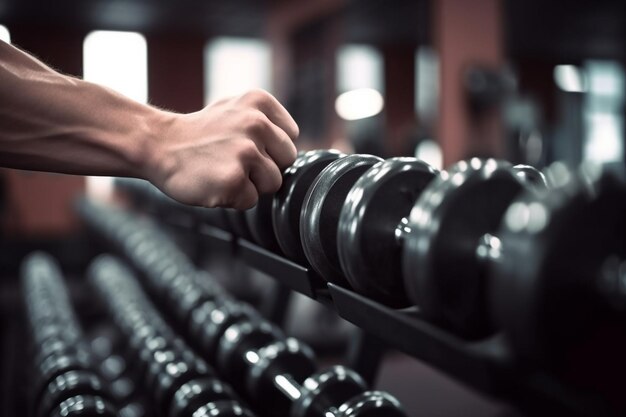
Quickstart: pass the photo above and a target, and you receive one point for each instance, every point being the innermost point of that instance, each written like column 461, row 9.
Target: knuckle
column 257, row 122
column 257, row 96
column 247, row 151
column 233, row 182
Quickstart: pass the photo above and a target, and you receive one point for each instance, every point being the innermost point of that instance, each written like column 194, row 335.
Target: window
column 117, row 60
column 235, row 65
column 359, row 82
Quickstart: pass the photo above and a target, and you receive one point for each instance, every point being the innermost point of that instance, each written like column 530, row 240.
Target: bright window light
column 4, row 34
column 359, row 82
column 570, row 78
column 359, row 66
column 118, row 60
column 359, row 104
column 426, row 83
column 603, row 138
column 234, row 66
column 429, row 151
column 603, row 112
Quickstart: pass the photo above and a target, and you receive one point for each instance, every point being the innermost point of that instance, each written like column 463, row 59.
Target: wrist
column 151, row 156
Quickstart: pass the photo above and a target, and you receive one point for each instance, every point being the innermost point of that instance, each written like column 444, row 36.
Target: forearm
column 53, row 122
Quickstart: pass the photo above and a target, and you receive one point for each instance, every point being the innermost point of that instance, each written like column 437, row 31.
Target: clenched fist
column 226, row 154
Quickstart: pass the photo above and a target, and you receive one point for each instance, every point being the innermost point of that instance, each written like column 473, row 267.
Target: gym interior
column 448, row 242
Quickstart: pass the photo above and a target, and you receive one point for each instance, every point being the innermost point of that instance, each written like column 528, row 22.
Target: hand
column 226, row 154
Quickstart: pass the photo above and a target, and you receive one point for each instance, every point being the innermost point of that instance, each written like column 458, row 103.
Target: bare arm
column 224, row 155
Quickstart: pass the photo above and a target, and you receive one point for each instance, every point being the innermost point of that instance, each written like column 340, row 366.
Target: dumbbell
column 84, row 406
column 277, row 372
column 225, row 328
column 320, row 213
column 201, row 308
column 558, row 277
column 288, row 200
column 371, row 227
column 165, row 365
column 169, row 365
column 451, row 232
column 62, row 361
column 68, row 385
column 259, row 221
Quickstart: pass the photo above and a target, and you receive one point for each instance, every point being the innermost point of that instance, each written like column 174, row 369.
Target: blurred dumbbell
column 230, row 334
column 68, row 385
column 278, row 373
column 558, row 277
column 84, row 406
column 169, row 365
column 450, row 237
column 62, row 361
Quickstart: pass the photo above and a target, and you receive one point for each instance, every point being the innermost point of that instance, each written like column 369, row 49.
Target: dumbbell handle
column 288, row 386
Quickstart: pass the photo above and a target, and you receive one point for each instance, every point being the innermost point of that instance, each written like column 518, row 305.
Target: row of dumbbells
column 65, row 379
column 480, row 247
column 277, row 374
column 182, row 384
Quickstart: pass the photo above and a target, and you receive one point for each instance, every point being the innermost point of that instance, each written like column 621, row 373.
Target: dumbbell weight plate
column 531, row 176
column 369, row 240
column 59, row 347
column 326, row 391
column 212, row 320
column 67, row 385
column 85, row 406
column 284, row 357
column 196, row 393
column 176, row 352
column 259, row 220
column 443, row 272
column 224, row 408
column 185, row 292
column 287, row 203
column 53, row 366
column 320, row 213
column 174, row 374
column 372, row 404
column 546, row 293
column 238, row 339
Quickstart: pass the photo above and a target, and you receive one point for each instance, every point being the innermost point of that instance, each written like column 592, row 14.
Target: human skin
column 226, row 154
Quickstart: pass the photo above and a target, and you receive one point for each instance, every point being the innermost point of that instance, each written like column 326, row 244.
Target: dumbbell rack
column 486, row 366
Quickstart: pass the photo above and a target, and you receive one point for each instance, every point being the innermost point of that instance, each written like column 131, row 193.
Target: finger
column 265, row 175
column 272, row 140
column 275, row 111
column 246, row 196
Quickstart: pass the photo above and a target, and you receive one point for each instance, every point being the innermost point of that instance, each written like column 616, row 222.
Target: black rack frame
column 487, row 365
